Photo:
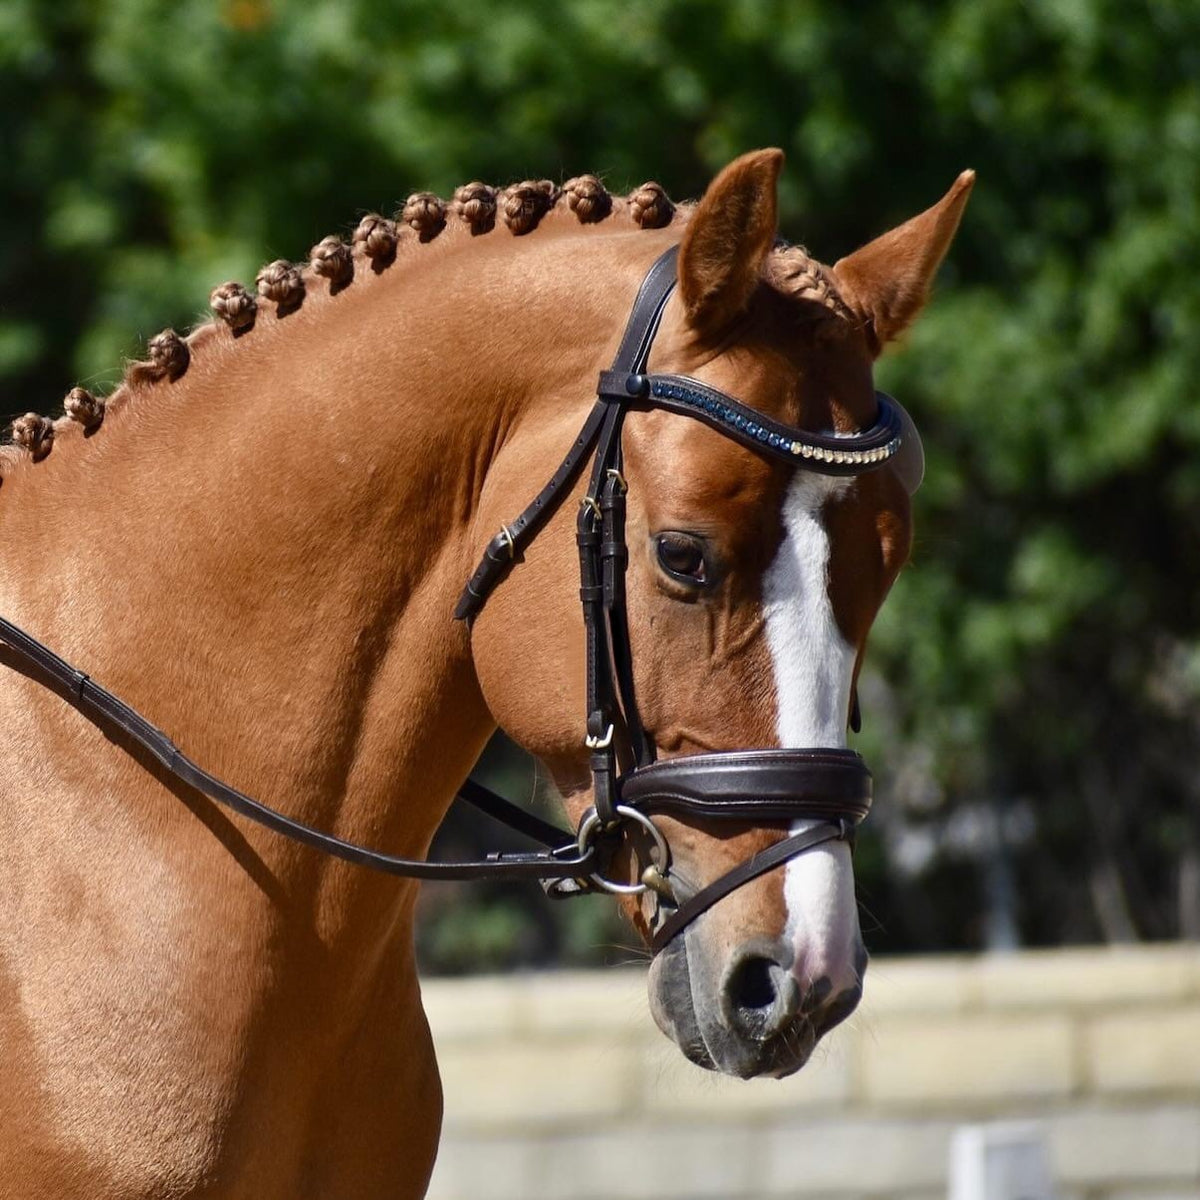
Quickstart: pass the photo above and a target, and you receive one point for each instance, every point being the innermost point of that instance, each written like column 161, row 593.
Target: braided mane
column 373, row 246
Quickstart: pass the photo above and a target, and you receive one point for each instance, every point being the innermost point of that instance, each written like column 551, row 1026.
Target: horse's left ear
column 727, row 240
column 887, row 281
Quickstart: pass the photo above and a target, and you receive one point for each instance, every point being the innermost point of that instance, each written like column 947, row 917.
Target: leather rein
column 830, row 787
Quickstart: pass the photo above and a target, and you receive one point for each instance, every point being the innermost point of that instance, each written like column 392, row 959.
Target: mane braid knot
column 168, row 359
column 650, row 206
column 475, row 203
column 169, row 352
column 84, row 409
column 525, row 204
column 34, row 433
column 235, row 306
column 426, row 213
column 587, row 198
column 331, row 258
column 282, row 283
column 377, row 237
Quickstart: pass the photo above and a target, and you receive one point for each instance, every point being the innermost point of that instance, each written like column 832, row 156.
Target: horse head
column 750, row 589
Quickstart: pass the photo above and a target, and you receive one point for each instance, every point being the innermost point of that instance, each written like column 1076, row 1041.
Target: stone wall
column 560, row 1086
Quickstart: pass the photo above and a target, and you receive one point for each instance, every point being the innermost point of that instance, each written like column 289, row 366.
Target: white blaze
column 814, row 667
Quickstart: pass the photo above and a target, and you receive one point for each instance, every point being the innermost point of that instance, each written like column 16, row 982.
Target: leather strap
column 121, row 723
column 506, row 547
column 609, row 658
column 507, row 813
column 615, row 559
column 646, row 314
column 760, row 864
column 825, row 453
column 755, row 785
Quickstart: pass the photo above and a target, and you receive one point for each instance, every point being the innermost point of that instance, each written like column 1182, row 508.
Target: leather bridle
column 830, row 787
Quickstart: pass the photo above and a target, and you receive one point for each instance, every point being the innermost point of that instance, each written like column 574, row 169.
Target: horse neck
column 263, row 557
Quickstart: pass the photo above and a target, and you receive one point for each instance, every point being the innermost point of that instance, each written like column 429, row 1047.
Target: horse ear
column 887, row 281
column 727, row 240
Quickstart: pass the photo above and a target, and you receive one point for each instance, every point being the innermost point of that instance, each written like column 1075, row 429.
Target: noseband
column 830, row 787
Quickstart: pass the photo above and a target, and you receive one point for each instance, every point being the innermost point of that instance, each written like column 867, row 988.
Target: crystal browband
column 825, row 453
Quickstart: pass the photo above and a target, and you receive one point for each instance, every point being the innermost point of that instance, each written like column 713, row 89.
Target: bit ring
column 660, row 855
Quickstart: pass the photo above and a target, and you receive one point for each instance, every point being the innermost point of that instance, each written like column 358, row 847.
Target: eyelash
column 690, row 547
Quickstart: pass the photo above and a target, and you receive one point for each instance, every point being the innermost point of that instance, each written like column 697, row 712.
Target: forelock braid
column 803, row 278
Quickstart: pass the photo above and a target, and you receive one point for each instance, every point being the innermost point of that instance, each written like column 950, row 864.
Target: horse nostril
column 759, row 997
column 752, row 984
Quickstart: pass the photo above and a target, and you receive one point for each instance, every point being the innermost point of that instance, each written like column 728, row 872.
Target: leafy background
column 1033, row 698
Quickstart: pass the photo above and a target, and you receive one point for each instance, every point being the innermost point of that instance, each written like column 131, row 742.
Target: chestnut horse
column 258, row 543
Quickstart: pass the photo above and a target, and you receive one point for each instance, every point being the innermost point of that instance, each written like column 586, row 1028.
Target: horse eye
column 682, row 556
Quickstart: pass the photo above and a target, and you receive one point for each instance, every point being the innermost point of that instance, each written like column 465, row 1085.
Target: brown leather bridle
column 829, row 786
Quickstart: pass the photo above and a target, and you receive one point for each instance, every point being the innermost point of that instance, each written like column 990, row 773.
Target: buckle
column 592, row 742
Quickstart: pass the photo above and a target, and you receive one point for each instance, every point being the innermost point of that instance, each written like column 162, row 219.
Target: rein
column 829, row 786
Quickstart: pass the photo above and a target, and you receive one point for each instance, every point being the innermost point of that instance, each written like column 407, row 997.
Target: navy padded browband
column 828, row 454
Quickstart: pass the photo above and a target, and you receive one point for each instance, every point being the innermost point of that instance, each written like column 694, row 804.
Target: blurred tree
column 1033, row 704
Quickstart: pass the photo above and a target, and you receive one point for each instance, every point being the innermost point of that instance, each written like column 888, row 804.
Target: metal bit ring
column 660, row 855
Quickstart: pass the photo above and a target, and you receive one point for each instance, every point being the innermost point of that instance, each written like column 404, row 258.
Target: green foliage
column 1040, row 656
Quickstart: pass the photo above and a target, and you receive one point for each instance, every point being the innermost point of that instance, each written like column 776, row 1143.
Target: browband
column 828, row 454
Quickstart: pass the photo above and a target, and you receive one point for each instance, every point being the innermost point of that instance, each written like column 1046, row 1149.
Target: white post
column 1001, row 1161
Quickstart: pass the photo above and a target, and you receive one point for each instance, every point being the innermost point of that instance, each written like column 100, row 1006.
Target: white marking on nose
column 813, row 662
column 814, row 667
